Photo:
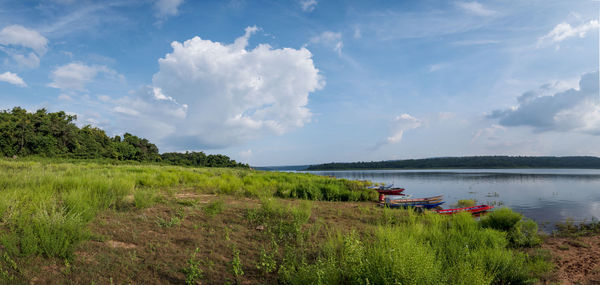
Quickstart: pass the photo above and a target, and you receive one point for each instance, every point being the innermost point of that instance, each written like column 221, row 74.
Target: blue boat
column 415, row 205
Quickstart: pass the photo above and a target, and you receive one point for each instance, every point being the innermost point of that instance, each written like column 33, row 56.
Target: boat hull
column 472, row 210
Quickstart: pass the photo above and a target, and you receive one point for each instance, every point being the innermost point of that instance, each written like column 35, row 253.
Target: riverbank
column 94, row 223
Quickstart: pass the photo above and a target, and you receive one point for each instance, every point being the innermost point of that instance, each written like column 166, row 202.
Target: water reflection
column 546, row 195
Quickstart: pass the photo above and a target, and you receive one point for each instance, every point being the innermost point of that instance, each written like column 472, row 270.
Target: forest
column 55, row 135
column 470, row 162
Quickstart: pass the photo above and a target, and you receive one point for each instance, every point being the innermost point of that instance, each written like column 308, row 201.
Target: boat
column 391, row 191
column 433, row 199
column 414, row 205
column 387, row 189
column 473, row 210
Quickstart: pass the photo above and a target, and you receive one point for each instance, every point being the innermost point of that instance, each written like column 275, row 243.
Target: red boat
column 473, row 210
column 391, row 191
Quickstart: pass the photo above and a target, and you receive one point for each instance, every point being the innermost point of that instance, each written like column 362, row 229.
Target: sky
column 288, row 82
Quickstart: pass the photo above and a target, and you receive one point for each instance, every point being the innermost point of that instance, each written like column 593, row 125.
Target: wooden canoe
column 473, row 210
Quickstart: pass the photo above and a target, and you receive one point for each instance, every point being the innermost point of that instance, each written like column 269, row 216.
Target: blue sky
column 312, row 81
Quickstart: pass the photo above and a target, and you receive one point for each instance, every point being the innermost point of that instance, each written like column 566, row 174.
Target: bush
column 520, row 232
column 525, row 234
column 503, row 219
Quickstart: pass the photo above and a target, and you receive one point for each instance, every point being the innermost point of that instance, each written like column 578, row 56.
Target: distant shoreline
column 466, row 162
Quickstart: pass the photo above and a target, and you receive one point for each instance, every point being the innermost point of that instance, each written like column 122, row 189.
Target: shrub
column 503, row 219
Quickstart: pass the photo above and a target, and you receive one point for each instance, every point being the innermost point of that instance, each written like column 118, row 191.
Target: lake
column 547, row 196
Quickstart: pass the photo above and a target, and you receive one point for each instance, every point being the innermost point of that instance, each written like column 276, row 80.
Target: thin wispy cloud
column 330, row 39
column 308, row 5
column 167, row 8
column 476, row 8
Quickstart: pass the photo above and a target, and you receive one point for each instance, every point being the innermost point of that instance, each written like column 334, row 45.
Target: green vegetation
column 193, row 272
column 521, row 232
column 418, row 249
column 56, row 135
column 241, row 226
column 570, row 229
column 466, row 203
column 470, row 162
column 46, row 206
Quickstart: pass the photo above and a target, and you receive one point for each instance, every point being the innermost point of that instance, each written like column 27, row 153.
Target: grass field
column 78, row 222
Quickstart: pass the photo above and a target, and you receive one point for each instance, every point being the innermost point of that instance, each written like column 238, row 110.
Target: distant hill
column 469, row 162
column 282, row 168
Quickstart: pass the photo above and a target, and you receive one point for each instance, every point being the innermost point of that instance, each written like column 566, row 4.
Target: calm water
column 547, row 196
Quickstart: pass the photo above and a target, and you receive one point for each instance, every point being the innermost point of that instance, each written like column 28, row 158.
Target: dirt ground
column 577, row 259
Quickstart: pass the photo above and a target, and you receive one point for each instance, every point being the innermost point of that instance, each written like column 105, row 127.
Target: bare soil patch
column 577, row 259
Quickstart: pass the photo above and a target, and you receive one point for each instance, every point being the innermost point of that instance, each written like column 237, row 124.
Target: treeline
column 470, row 162
column 56, row 135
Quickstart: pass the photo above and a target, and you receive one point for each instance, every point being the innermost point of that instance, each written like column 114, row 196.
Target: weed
column 214, row 208
column 193, row 272
column 563, row 247
column 465, row 203
column 174, row 221
column 266, row 262
column 236, row 265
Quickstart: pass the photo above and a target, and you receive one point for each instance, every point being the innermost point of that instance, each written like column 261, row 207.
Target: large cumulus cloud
column 225, row 94
column 571, row 110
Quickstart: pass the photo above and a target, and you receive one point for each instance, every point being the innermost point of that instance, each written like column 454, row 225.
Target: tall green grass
column 45, row 205
column 417, row 249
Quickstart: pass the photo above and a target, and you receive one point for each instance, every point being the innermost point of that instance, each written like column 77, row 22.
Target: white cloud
column 30, row 61
column 401, row 124
column 126, row 111
column 308, row 5
column 564, row 30
column 24, row 45
column 475, row 8
column 209, row 94
column 12, row 78
column 571, row 110
column 167, row 8
column 16, row 35
column 64, row 97
column 331, row 40
column 74, row 76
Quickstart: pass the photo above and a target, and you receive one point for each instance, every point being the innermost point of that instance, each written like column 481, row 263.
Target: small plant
column 174, row 221
column 193, row 272
column 236, row 265
column 266, row 262
column 214, row 208
column 563, row 247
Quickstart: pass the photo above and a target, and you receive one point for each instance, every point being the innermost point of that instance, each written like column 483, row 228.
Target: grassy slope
column 96, row 223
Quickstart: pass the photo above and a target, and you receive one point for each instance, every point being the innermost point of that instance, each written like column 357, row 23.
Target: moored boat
column 430, row 200
column 425, row 205
column 473, row 210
